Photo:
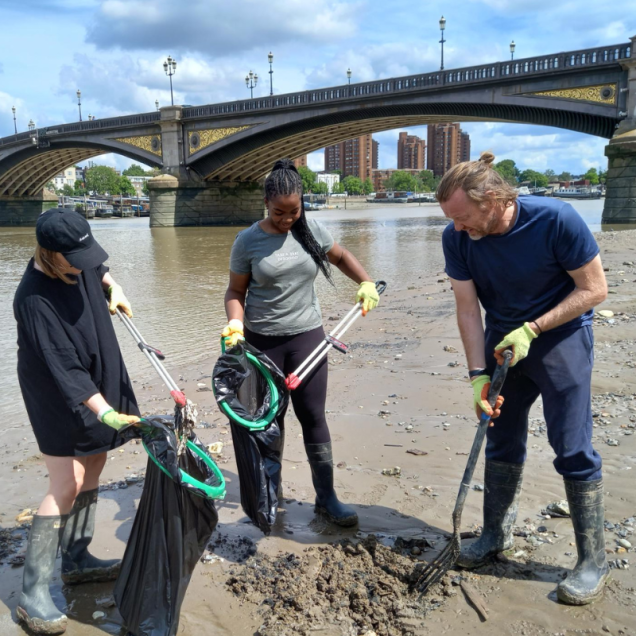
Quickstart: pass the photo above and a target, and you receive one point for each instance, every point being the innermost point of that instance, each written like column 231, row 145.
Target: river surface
column 176, row 278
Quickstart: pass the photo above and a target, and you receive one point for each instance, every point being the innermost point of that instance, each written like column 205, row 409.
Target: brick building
column 448, row 145
column 301, row 161
column 355, row 157
column 411, row 152
column 379, row 177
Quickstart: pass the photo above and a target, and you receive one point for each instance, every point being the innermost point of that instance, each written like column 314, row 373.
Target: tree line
column 105, row 180
column 507, row 168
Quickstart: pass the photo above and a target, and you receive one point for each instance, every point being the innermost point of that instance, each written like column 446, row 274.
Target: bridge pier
column 24, row 210
column 620, row 197
column 182, row 202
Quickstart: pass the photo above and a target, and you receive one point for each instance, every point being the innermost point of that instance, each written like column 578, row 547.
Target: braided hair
column 284, row 179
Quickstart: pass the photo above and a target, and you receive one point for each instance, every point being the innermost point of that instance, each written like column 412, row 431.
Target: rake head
column 435, row 570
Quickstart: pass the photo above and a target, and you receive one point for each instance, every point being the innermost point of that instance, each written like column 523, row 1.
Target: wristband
column 105, row 409
column 475, row 372
column 534, row 322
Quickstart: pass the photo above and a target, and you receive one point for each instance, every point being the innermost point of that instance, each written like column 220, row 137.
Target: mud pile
column 356, row 587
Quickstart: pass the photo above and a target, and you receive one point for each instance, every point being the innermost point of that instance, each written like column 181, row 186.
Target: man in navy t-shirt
column 535, row 268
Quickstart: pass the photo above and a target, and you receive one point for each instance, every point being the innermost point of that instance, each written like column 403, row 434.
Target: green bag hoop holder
column 263, row 422
column 212, row 492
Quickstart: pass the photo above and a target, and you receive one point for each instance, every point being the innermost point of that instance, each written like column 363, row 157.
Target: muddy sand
column 401, row 388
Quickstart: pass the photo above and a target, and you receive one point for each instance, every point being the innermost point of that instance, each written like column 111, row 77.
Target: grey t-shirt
column 281, row 299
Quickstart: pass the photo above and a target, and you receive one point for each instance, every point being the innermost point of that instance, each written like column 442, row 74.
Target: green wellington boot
column 78, row 565
column 586, row 582
column 36, row 607
column 321, row 462
column 502, row 485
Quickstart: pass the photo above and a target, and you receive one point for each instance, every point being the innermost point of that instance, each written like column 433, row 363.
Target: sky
column 113, row 51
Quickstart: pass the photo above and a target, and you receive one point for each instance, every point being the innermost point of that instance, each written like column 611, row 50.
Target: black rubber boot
column 78, row 565
column 321, row 462
column 585, row 583
column 502, row 485
column 36, row 607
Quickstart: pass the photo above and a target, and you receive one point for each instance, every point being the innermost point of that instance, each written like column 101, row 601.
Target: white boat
column 577, row 193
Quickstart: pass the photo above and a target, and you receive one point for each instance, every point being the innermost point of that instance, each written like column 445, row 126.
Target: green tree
column 50, row 186
column 507, row 168
column 602, row 175
column 144, row 188
column 427, row 181
column 134, row 170
column 565, row 176
column 551, row 175
column 78, row 188
column 592, row 176
column 68, row 190
column 367, row 186
column 401, row 180
column 534, row 177
column 125, row 187
column 320, row 187
column 353, row 185
column 309, row 178
column 338, row 188
column 102, row 180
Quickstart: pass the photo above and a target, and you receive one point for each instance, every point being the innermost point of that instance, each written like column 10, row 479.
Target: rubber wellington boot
column 279, row 494
column 502, row 485
column 585, row 583
column 78, row 565
column 321, row 462
column 36, row 607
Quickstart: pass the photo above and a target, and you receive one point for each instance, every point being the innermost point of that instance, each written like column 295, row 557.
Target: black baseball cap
column 68, row 232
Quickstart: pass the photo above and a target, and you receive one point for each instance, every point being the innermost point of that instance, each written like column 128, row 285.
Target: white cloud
column 316, row 161
column 218, row 27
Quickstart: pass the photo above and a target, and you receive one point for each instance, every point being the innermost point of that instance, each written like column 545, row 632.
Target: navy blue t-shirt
column 522, row 274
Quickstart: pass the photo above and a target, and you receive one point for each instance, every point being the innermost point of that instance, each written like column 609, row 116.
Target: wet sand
column 397, row 365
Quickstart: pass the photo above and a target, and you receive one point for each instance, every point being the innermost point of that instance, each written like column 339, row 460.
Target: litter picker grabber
column 447, row 558
column 294, row 379
column 185, row 418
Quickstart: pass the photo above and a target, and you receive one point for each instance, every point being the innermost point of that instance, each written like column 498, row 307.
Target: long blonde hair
column 47, row 260
column 476, row 178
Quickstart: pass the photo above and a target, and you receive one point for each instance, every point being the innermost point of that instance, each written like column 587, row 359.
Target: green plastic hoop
column 212, row 492
column 266, row 420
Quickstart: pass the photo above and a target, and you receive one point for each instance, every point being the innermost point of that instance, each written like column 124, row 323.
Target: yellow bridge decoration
column 599, row 94
column 149, row 143
column 200, row 139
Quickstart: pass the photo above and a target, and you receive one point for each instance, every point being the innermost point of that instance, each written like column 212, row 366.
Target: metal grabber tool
column 447, row 558
column 293, row 380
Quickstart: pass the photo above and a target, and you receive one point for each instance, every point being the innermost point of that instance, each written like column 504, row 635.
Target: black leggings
column 309, row 399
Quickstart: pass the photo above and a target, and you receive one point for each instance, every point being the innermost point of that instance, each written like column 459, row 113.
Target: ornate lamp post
column 79, row 103
column 512, row 50
column 157, row 104
column 170, row 68
column 31, row 124
column 442, row 27
column 251, row 80
column 270, row 59
column 349, row 75
column 15, row 124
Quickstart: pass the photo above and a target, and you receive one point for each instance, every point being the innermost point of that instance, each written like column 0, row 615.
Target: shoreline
column 397, row 351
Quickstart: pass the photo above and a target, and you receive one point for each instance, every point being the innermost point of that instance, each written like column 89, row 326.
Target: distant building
column 329, row 178
column 301, row 161
column 353, row 158
column 65, row 178
column 380, row 176
column 138, row 184
column 448, row 145
column 411, row 152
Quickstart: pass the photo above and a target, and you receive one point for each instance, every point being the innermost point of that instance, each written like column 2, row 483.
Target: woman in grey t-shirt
column 273, row 266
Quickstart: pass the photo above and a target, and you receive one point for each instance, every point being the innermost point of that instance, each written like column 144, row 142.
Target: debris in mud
column 10, row 542
column 361, row 587
column 396, row 471
column 557, row 509
column 26, row 516
column 415, row 451
column 237, row 549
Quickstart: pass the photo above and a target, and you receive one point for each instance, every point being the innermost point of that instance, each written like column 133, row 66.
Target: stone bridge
column 213, row 157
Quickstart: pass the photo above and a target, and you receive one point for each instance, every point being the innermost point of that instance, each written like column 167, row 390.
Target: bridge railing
column 600, row 56
column 86, row 126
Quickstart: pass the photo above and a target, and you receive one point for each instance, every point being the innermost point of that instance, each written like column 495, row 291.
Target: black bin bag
column 250, row 389
column 171, row 530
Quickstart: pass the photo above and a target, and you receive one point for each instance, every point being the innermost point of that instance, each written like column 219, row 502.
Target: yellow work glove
column 520, row 340
column 481, row 386
column 368, row 295
column 117, row 300
column 232, row 333
column 118, row 420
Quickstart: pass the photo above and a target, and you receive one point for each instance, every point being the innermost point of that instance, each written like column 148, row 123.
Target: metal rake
column 447, row 558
